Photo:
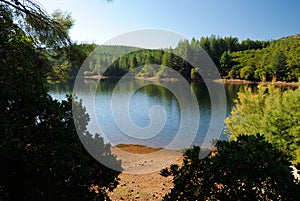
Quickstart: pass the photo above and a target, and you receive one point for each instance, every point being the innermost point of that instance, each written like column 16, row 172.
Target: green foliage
column 103, row 56
column 166, row 59
column 194, row 74
column 277, row 61
column 249, row 168
column 253, row 45
column 58, row 56
column 49, row 33
column 162, row 72
column 41, row 155
column 148, row 69
column 42, row 28
column 133, row 63
column 247, row 72
column 225, row 62
column 64, row 19
column 270, row 111
column 216, row 46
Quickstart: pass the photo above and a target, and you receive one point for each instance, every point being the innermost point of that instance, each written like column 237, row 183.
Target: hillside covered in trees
column 280, row 60
column 249, row 59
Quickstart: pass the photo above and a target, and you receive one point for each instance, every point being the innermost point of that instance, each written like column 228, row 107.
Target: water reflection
column 143, row 99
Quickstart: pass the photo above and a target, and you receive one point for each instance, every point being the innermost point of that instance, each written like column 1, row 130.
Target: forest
column 249, row 59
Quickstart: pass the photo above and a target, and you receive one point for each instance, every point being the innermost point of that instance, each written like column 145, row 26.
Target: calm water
column 139, row 106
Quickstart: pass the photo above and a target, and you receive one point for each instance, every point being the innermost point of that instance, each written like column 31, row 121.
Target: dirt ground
column 141, row 179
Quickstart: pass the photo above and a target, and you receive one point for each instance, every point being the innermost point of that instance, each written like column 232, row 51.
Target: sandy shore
column 141, row 179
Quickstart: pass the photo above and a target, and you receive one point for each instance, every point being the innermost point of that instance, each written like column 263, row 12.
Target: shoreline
column 146, row 149
column 240, row 81
column 223, row 80
column 137, row 148
column 230, row 81
column 99, row 77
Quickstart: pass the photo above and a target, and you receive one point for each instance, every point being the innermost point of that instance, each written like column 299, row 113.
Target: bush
column 270, row 111
column 246, row 169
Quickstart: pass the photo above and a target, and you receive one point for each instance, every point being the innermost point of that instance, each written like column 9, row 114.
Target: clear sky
column 98, row 21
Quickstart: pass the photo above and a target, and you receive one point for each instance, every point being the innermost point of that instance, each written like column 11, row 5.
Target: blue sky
column 98, row 21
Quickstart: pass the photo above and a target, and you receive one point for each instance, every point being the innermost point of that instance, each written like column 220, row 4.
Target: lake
column 168, row 112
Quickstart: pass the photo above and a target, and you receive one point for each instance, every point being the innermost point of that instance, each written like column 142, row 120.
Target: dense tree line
column 105, row 57
column 248, row 59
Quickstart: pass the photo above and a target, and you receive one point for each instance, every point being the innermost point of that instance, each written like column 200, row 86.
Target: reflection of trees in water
column 151, row 88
